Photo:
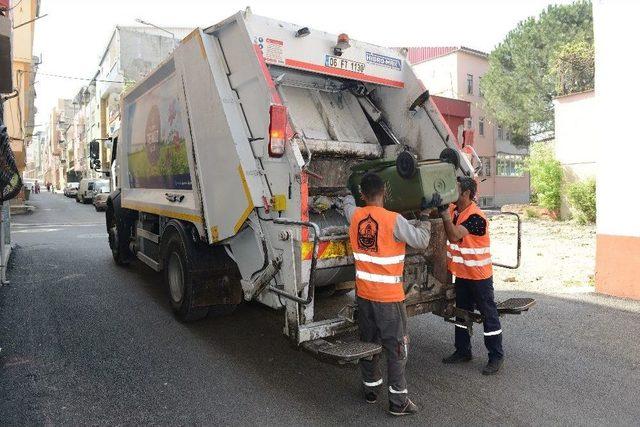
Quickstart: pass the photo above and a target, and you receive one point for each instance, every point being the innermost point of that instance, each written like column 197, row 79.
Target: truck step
column 515, row 305
column 341, row 352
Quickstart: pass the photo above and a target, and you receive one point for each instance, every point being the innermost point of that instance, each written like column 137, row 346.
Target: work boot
column 407, row 408
column 493, row 366
column 370, row 397
column 457, row 358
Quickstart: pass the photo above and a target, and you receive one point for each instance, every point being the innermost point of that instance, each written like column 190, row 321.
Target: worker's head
column 372, row 189
column 467, row 189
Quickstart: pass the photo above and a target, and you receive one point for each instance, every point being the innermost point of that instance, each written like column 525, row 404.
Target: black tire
column 179, row 280
column 97, row 210
column 77, row 199
column 119, row 230
column 221, row 310
column 340, row 292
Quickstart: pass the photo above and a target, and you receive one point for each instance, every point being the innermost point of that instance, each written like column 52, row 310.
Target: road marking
column 36, row 230
column 91, row 235
column 85, row 224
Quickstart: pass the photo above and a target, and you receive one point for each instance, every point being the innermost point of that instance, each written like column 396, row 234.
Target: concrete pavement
column 87, row 342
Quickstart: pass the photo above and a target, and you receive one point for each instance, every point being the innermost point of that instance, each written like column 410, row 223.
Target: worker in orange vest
column 469, row 260
column 378, row 239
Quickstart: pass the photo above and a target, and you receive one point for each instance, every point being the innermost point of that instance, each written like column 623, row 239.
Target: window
column 509, row 165
column 480, row 93
column 486, row 202
column 486, row 166
column 470, row 84
column 481, row 126
column 499, row 132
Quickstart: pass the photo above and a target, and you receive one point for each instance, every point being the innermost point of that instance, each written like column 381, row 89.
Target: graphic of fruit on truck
column 157, row 154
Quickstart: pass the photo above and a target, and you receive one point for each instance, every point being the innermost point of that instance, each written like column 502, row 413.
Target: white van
column 85, row 190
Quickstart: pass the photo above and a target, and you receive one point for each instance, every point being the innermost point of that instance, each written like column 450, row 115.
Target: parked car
column 100, row 194
column 71, row 189
column 85, row 190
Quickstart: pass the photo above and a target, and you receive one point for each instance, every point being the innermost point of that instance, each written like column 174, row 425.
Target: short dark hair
column 371, row 185
column 468, row 183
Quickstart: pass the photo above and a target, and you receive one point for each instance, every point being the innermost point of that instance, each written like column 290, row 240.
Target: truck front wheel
column 119, row 230
column 180, row 282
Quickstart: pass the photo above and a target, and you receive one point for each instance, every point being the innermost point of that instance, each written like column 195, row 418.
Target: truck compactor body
column 233, row 153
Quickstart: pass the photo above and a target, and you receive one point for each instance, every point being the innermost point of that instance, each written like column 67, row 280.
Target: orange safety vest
column 379, row 258
column 470, row 258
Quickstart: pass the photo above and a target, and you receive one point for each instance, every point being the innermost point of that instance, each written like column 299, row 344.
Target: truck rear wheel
column 180, row 282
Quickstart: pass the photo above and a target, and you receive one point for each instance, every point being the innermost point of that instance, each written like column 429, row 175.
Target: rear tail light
column 277, row 130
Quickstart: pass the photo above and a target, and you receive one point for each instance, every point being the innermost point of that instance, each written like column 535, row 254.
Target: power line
column 61, row 76
column 14, row 6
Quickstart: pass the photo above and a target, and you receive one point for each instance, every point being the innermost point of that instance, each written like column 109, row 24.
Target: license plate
column 343, row 64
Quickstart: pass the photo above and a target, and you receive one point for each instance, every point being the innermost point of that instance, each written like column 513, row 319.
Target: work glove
column 443, row 209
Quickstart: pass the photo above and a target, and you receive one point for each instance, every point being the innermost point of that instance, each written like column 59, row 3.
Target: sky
column 72, row 37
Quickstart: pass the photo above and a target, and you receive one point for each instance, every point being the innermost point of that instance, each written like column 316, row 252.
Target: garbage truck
column 233, row 155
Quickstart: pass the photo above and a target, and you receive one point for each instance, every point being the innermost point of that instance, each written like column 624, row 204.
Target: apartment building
column 456, row 73
column 129, row 55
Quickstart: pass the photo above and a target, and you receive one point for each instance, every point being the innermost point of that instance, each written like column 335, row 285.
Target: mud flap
column 341, row 352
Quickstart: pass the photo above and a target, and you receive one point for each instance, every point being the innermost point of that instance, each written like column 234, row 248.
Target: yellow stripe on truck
column 327, row 250
column 247, row 194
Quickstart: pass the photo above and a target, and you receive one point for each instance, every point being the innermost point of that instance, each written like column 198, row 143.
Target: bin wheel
column 450, row 155
column 406, row 165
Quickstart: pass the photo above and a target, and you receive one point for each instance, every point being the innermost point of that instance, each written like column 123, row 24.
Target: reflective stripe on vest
column 388, row 260
column 470, row 258
column 380, row 278
column 378, row 257
column 468, row 262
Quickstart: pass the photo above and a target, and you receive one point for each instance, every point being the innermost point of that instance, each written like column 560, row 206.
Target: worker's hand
column 436, row 200
column 444, row 213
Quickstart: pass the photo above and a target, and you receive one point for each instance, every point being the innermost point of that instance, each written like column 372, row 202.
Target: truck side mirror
column 94, row 150
column 114, row 149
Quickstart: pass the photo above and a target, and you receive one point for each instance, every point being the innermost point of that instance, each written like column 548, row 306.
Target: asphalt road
column 86, row 342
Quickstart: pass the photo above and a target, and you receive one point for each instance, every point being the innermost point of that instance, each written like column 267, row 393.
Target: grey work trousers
column 385, row 323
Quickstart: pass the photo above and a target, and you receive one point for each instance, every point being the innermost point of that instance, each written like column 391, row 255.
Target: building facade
column 19, row 110
column 575, row 142
column 617, row 235
column 131, row 53
column 456, row 72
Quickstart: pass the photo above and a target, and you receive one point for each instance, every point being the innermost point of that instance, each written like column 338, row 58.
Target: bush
column 531, row 213
column 582, row 196
column 546, row 176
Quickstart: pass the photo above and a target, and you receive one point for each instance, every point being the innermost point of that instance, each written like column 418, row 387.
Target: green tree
column 521, row 81
column 574, row 67
column 546, row 176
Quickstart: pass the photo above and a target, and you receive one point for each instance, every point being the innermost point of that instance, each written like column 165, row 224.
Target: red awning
column 452, row 107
